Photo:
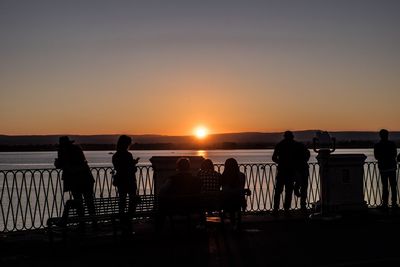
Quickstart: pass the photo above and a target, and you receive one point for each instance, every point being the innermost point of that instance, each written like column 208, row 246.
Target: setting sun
column 200, row 132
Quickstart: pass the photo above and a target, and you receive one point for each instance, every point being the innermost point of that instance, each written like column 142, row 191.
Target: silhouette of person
column 232, row 183
column 210, row 187
column 209, row 178
column 183, row 182
column 77, row 177
column 385, row 151
column 302, row 174
column 179, row 192
column 125, row 180
column 285, row 156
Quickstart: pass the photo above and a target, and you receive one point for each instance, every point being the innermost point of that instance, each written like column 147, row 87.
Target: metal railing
column 29, row 197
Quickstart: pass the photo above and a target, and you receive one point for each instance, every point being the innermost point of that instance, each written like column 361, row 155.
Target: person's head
column 231, row 166
column 124, row 142
column 384, row 134
column 288, row 135
column 183, row 164
column 207, row 165
column 65, row 141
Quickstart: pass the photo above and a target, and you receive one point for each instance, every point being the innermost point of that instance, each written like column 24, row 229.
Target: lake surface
column 39, row 160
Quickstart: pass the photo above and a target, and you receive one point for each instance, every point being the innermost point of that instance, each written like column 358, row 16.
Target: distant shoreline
column 243, row 140
column 172, row 146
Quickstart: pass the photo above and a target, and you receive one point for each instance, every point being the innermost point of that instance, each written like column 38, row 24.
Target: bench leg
column 51, row 234
column 114, row 227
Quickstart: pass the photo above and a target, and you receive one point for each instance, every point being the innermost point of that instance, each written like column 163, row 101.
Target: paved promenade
column 366, row 240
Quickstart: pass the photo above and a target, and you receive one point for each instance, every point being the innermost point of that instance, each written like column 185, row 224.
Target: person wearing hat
column 76, row 175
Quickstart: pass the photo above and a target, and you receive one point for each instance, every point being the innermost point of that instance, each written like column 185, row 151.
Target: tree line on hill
column 215, row 141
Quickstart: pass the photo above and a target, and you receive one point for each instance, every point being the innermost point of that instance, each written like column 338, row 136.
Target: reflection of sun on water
column 202, row 153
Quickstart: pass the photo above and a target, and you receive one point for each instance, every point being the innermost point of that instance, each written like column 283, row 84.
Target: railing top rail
column 146, row 165
column 141, row 165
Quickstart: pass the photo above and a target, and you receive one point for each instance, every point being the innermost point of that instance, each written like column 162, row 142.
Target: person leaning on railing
column 77, row 178
column 385, row 151
column 302, row 174
column 285, row 156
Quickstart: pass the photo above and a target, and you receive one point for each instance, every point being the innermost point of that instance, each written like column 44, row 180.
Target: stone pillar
column 165, row 166
column 342, row 182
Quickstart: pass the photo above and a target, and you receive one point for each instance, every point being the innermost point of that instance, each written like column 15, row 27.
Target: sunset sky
column 166, row 67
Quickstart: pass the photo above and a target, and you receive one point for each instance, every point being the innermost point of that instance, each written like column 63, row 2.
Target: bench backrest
column 106, row 206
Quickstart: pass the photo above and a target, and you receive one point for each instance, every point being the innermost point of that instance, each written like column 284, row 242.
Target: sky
column 166, row 67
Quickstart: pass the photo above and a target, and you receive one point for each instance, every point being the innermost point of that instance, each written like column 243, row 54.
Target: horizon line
column 186, row 135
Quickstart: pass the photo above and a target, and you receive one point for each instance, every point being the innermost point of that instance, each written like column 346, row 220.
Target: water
column 39, row 160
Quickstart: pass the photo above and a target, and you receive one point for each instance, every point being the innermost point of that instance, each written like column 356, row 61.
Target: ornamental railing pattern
column 29, row 197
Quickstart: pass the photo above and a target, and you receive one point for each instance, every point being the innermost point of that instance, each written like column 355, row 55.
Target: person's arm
column 165, row 188
column 79, row 153
column 275, row 157
column 376, row 152
column 394, row 151
column 59, row 161
column 307, row 154
column 242, row 180
column 132, row 163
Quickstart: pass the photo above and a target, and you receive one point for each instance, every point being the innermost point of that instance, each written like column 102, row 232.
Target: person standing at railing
column 385, row 151
column 302, row 174
column 77, row 177
column 125, row 181
column 285, row 156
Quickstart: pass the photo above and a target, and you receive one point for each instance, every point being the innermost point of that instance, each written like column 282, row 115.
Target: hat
column 63, row 140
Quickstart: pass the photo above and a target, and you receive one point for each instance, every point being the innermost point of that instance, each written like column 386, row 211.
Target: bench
column 107, row 210
column 199, row 204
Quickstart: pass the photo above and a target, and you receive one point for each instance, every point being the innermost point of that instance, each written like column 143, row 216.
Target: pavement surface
column 368, row 239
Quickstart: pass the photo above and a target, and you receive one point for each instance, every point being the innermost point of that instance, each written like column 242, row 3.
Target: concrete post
column 342, row 182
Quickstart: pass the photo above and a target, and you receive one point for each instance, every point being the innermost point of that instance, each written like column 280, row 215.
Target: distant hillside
column 250, row 137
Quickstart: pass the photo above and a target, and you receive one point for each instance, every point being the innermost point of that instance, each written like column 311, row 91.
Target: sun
column 201, row 132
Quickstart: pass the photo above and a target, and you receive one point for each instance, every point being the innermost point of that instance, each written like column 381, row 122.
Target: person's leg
column 89, row 199
column 288, row 193
column 385, row 189
column 123, row 215
column 122, row 201
column 304, row 190
column 132, row 202
column 78, row 202
column 393, row 187
column 279, row 184
column 131, row 210
column 64, row 217
column 298, row 183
